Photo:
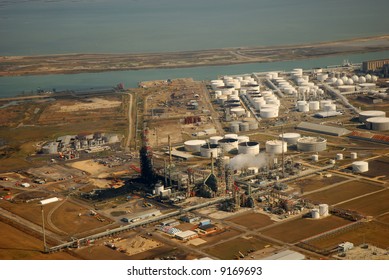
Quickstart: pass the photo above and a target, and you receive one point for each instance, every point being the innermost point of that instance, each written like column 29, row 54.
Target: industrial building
column 286, row 255
column 323, row 129
column 186, row 235
column 374, row 65
column 141, row 216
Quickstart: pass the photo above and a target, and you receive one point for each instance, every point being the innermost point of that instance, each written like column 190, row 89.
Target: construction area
column 239, row 167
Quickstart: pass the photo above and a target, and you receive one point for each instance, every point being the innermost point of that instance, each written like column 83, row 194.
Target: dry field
column 343, row 192
column 315, row 182
column 230, row 250
column 296, row 230
column 252, row 220
column 371, row 205
column 217, row 236
column 384, row 218
column 379, row 168
column 373, row 233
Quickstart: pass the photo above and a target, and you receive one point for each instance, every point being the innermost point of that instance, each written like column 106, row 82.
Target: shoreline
column 92, row 63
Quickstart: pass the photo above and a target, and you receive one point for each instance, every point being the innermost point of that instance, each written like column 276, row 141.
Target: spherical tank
column 214, row 139
column 355, row 78
column 251, row 148
column 276, row 146
column 360, row 166
column 362, row 80
column 290, row 138
column 228, row 144
column 378, row 123
column 193, row 145
column 243, row 138
column 311, row 144
column 268, row 113
column 208, row 149
column 364, row 115
column 339, row 82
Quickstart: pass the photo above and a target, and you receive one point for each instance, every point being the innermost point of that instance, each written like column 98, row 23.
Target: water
column 39, row 27
column 11, row 86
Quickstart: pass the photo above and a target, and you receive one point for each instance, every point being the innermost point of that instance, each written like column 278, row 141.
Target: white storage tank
column 243, row 138
column 364, row 115
column 276, row 146
column 251, row 148
column 268, row 113
column 314, row 105
column 330, row 107
column 234, row 127
column 193, row 145
column 315, row 214
column 214, row 139
column 315, row 158
column 158, row 189
column 244, row 126
column 253, row 125
column 228, row 144
column 339, row 156
column 360, row 166
column 208, row 149
column 323, row 210
column 290, row 137
column 311, row 144
column 231, row 136
column 353, row 155
column 378, row 123
column 325, row 102
column 238, row 111
column 303, row 108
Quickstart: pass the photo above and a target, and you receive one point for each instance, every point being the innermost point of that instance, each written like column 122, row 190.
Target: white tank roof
column 372, row 113
column 290, row 135
column 195, row 142
column 378, row 120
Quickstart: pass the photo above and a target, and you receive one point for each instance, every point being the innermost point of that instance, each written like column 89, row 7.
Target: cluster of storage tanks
column 320, row 212
column 374, row 120
column 347, row 84
column 324, row 105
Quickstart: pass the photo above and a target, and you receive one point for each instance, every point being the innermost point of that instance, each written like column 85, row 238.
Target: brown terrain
column 81, row 63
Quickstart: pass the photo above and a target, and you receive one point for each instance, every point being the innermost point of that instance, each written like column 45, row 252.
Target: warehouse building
column 186, row 235
column 323, row 129
column 374, row 65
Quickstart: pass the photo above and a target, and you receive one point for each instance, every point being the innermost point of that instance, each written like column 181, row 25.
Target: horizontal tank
column 360, row 166
column 208, row 149
column 193, row 145
column 276, row 146
column 251, row 148
column 311, row 144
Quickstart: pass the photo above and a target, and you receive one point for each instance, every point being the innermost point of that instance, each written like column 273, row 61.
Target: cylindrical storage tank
column 325, row 102
column 253, row 125
column 268, row 113
column 244, row 126
column 314, row 105
column 243, row 138
column 315, row 214
column 353, row 155
column 214, row 139
column 364, row 115
column 231, row 136
column 208, row 149
column 290, row 138
column 315, row 158
column 378, row 124
column 339, row 156
column 226, row 160
column 311, row 144
column 303, row 108
column 228, row 144
column 332, row 161
column 276, row 146
column 330, row 107
column 193, row 145
column 360, row 166
column 234, row 127
column 238, row 111
column 323, row 210
column 252, row 170
column 251, row 148
column 222, row 99
column 158, row 189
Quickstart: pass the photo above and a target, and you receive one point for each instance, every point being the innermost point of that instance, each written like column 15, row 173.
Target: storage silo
column 360, row 166
column 323, row 210
column 193, row 145
column 290, row 137
column 208, row 149
column 378, row 123
column 311, row 144
column 276, row 146
column 228, row 144
column 364, row 115
column 251, row 148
